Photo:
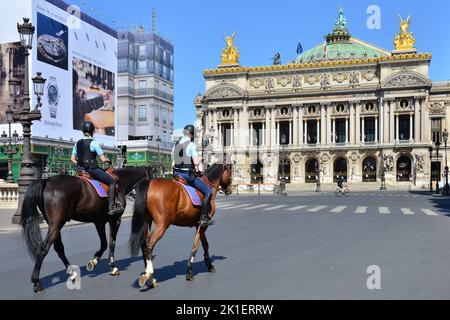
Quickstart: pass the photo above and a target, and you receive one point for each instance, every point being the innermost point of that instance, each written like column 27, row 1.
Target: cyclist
column 340, row 183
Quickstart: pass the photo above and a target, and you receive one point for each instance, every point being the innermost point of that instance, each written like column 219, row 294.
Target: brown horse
column 62, row 198
column 165, row 203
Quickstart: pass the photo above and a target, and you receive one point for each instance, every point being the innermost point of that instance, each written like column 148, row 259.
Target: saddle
column 195, row 195
column 101, row 188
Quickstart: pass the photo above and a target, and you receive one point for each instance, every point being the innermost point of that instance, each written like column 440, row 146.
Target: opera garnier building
column 345, row 107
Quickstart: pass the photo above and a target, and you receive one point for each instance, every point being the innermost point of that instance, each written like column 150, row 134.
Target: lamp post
column 283, row 178
column 8, row 142
column 430, row 150
column 26, row 116
column 438, row 143
column 445, row 138
column 158, row 141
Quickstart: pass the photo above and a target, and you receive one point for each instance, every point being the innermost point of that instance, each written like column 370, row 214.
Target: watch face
column 52, row 94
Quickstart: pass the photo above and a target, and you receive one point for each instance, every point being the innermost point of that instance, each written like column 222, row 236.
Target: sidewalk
column 7, row 226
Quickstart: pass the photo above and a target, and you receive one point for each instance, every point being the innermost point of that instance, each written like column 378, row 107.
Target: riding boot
column 205, row 219
column 114, row 207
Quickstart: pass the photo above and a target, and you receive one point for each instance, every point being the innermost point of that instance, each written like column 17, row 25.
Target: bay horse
column 63, row 198
column 166, row 203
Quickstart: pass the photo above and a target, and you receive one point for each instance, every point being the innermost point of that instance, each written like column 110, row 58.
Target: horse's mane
column 130, row 169
column 214, row 172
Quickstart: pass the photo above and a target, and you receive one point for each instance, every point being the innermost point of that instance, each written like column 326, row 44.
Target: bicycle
column 342, row 192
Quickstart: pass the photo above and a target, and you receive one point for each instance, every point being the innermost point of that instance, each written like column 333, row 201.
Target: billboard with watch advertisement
column 79, row 61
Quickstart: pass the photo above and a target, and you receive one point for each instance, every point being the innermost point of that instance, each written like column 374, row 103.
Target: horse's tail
column 30, row 217
column 139, row 223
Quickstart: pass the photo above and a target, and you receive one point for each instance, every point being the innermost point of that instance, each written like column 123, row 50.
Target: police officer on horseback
column 187, row 165
column 84, row 156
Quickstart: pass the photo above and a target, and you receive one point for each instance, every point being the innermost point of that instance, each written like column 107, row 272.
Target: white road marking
column 295, row 208
column 338, row 209
column 407, row 211
column 223, row 205
column 429, row 212
column 238, row 206
column 256, row 207
column 361, row 210
column 315, row 209
column 384, row 210
column 275, row 207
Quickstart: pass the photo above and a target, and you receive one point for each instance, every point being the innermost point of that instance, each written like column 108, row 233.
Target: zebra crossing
column 317, row 209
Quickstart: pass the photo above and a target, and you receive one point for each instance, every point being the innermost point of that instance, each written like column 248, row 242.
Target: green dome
column 338, row 51
column 339, row 45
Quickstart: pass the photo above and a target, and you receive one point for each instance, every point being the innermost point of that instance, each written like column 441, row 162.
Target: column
column 294, row 137
column 277, row 133
column 424, row 119
column 264, row 134
column 251, row 135
column 305, row 135
column 318, row 131
column 243, row 125
column 411, row 123
column 235, row 127
column 273, row 132
column 376, row 129
column 333, row 134
column 381, row 117
column 300, row 126
column 323, row 125
column 363, row 131
column 358, row 124
column 267, row 131
column 392, row 122
column 329, row 138
column 386, row 121
column 352, row 123
column 290, row 132
column 397, row 129
column 346, row 130
column 417, row 124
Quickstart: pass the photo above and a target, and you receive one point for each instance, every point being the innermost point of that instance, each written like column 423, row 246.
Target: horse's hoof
column 155, row 283
column 38, row 287
column 90, row 266
column 115, row 272
column 212, row 269
column 142, row 281
column 189, row 277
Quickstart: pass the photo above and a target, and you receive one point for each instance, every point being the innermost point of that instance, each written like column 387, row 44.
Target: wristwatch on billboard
column 52, row 96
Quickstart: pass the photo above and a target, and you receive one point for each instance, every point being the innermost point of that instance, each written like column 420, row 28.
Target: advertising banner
column 79, row 61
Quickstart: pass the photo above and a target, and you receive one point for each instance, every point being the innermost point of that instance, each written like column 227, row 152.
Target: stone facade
column 363, row 118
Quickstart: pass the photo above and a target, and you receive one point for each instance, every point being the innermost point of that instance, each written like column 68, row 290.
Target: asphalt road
column 305, row 246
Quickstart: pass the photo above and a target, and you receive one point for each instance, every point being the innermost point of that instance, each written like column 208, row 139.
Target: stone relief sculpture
column 388, row 162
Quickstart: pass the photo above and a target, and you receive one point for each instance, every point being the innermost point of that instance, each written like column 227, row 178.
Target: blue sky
column 264, row 27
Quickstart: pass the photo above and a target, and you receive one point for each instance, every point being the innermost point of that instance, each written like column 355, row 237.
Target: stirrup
column 117, row 209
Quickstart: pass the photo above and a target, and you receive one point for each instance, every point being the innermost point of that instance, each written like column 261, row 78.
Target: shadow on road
column 101, row 268
column 178, row 269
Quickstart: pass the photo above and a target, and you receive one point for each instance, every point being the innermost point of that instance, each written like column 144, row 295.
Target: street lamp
column 26, row 116
column 318, row 176
column 445, row 138
column 8, row 142
column 283, row 178
column 430, row 150
column 14, row 89
column 438, row 143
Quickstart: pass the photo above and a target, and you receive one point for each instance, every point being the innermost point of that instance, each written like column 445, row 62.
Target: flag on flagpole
column 299, row 47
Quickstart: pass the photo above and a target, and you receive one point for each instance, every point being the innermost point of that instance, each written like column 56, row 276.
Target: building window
column 141, row 50
column 156, row 115
column 436, row 125
column 340, row 131
column 369, row 129
column 312, row 134
column 142, row 84
column 131, row 113
column 142, row 113
column 403, row 124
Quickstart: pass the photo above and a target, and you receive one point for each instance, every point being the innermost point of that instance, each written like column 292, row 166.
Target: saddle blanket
column 102, row 189
column 193, row 194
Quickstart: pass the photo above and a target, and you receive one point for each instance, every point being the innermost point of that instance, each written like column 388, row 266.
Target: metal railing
column 145, row 92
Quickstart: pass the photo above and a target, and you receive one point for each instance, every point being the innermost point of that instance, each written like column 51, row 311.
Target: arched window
column 369, row 169
column 404, row 168
column 311, row 171
column 340, row 169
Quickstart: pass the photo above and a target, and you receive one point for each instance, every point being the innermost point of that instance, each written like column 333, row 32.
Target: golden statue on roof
column 404, row 41
column 230, row 55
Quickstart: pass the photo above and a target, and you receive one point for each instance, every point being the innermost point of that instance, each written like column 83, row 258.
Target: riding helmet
column 88, row 127
column 190, row 128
